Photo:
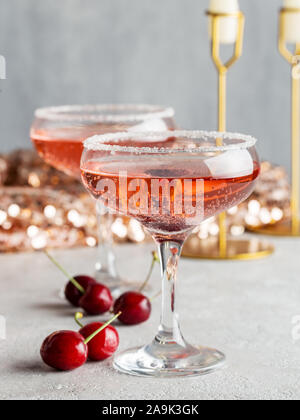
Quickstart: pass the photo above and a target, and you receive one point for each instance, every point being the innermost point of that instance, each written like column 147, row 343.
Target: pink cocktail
column 170, row 189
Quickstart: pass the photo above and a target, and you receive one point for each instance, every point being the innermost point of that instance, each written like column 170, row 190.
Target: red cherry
column 135, row 308
column 104, row 344
column 97, row 299
column 64, row 350
column 72, row 294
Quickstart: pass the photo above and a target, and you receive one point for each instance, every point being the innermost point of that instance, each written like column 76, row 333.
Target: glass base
column 168, row 360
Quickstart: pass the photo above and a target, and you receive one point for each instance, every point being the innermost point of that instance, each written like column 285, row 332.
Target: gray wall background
column 155, row 51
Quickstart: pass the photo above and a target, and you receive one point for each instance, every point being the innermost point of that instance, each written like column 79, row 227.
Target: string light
column 7, row 225
column 50, row 211
column 233, row 211
column 76, row 219
column 214, row 229
column 277, row 214
column 32, row 231
column 119, row 229
column 14, row 210
column 254, row 207
column 39, row 242
column 265, row 216
column 91, row 241
column 135, row 231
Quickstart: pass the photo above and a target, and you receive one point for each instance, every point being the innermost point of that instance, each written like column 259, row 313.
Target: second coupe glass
column 58, row 134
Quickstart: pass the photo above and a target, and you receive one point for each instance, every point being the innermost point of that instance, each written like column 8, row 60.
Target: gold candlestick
column 225, row 248
column 290, row 227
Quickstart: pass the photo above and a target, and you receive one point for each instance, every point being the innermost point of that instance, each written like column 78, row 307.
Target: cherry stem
column 78, row 316
column 86, row 341
column 155, row 259
column 70, row 278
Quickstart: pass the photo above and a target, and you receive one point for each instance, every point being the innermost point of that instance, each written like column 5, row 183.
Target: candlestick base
column 283, row 228
column 237, row 249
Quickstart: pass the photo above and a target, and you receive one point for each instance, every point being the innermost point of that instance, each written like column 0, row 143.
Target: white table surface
column 242, row 308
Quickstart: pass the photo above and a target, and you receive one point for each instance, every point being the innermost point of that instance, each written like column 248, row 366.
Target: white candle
column 291, row 4
column 292, row 22
column 223, row 6
column 228, row 26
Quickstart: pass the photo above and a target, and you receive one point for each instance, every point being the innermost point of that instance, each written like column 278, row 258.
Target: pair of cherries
column 96, row 299
column 68, row 350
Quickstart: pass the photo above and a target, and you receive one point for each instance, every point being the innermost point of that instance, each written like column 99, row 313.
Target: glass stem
column 106, row 258
column 169, row 330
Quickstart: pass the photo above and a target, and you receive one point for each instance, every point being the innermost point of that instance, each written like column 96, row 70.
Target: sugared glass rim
column 99, row 142
column 105, row 113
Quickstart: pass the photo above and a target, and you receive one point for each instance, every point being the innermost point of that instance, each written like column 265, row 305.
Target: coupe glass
column 170, row 190
column 58, row 134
